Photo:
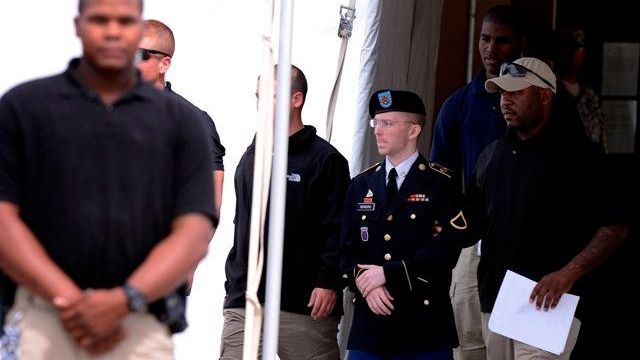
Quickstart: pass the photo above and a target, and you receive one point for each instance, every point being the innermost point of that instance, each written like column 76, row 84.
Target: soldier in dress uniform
column 402, row 231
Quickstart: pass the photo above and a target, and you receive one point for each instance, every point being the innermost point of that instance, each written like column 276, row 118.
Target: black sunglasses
column 145, row 54
column 517, row 70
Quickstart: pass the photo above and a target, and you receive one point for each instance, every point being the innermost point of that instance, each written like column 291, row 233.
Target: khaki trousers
column 503, row 348
column 300, row 337
column 466, row 306
column 42, row 336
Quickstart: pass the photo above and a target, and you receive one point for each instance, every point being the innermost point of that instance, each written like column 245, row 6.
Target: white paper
column 514, row 317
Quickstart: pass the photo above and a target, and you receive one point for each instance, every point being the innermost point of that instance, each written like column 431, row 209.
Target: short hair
column 418, row 119
column 298, row 81
column 83, row 3
column 506, row 15
column 163, row 33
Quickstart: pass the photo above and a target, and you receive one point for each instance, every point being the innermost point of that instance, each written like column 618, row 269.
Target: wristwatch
column 135, row 299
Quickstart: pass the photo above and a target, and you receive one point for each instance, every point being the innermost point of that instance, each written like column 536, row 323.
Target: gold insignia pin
column 441, row 169
column 422, row 167
column 459, row 222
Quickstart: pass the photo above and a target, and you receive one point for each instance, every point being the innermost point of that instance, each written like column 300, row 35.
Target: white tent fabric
column 406, row 57
column 368, row 55
column 315, row 50
column 347, row 15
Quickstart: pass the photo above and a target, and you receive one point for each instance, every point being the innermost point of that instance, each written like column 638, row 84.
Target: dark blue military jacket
column 417, row 240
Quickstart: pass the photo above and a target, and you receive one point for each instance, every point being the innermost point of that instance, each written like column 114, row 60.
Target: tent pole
column 278, row 185
column 260, row 192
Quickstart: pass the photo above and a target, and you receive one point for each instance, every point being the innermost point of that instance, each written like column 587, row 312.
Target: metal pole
column 471, row 37
column 260, row 193
column 278, row 185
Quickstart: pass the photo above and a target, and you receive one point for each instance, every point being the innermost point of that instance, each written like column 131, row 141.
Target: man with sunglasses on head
column 542, row 203
column 154, row 60
column 106, row 202
column 468, row 121
column 402, row 231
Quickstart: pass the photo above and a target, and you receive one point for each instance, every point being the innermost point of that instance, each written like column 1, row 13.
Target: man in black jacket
column 317, row 179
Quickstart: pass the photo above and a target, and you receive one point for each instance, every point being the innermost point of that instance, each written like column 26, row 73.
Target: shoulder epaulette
column 377, row 167
column 441, row 169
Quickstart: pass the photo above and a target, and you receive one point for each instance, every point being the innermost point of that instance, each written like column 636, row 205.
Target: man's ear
column 297, row 99
column 165, row 64
column 415, row 131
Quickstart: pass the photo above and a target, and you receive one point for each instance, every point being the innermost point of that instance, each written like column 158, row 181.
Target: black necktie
column 392, row 185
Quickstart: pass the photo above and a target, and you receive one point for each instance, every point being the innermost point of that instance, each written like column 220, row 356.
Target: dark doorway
column 612, row 36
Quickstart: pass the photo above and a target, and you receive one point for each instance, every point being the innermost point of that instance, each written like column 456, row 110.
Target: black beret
column 393, row 100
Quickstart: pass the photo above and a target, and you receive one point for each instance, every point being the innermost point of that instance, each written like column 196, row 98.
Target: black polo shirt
column 217, row 150
column 540, row 202
column 99, row 185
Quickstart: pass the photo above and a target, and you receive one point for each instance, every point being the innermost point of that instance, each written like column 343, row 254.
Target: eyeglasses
column 385, row 124
column 517, row 70
column 145, row 54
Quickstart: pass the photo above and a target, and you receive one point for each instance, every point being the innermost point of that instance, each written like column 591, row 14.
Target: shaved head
column 159, row 36
column 298, row 81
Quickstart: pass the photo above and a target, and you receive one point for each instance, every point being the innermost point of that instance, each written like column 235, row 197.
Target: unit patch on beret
column 384, row 98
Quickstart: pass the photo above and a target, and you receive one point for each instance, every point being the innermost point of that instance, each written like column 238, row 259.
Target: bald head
column 158, row 36
column 158, row 40
column 298, row 81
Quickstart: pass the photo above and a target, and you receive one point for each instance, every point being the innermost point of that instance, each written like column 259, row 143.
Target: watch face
column 138, row 304
column 137, row 301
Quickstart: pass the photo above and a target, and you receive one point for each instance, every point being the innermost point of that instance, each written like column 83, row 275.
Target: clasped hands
column 93, row 319
column 370, row 283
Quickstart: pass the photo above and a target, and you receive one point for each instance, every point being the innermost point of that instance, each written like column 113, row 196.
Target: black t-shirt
column 539, row 203
column 217, row 150
column 99, row 185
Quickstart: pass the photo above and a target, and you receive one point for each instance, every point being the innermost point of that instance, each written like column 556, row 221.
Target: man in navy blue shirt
column 468, row 121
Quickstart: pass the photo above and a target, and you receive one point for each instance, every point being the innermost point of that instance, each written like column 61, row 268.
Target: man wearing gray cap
column 402, row 230
column 546, row 212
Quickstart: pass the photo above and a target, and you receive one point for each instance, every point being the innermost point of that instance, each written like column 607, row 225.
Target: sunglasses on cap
column 145, row 54
column 517, row 70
